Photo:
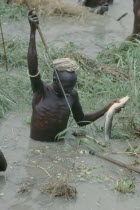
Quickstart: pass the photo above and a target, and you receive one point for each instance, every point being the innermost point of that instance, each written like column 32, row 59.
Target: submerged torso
column 50, row 115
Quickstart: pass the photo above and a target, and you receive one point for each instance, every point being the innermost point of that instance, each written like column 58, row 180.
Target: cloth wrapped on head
column 65, row 64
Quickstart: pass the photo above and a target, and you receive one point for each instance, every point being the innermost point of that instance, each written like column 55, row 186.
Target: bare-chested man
column 50, row 112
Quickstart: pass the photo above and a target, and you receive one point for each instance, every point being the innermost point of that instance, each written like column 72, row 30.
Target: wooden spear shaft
column 129, row 167
column 6, row 63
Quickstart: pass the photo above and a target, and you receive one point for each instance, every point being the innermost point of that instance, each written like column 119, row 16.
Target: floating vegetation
column 132, row 149
column 25, row 187
column 125, row 186
column 136, row 127
column 60, row 188
column 135, row 162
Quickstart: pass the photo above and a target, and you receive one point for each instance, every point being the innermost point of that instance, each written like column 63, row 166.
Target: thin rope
column 49, row 56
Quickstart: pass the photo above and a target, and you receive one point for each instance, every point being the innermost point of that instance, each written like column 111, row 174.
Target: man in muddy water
column 136, row 28
column 51, row 112
column 98, row 6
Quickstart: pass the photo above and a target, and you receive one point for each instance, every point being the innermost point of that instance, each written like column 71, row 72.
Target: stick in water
column 129, row 167
column 6, row 63
column 122, row 16
column 109, row 116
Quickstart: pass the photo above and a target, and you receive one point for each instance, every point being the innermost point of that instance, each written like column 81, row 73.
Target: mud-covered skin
column 3, row 162
column 50, row 112
column 136, row 28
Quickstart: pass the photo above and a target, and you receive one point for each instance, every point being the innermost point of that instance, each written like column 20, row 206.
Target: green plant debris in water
column 125, row 186
column 26, row 121
column 134, row 149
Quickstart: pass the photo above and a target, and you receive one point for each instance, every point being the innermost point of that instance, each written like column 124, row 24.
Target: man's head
column 65, row 70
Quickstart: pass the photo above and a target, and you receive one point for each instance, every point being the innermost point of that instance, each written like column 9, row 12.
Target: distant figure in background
column 136, row 28
column 94, row 4
column 3, row 162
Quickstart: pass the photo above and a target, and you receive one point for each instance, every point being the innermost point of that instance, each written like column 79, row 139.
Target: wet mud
column 21, row 185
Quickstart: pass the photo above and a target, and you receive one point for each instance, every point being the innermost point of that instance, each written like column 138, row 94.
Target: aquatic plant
column 60, row 188
column 125, row 186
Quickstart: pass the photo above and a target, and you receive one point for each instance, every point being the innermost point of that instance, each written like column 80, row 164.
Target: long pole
column 4, row 48
column 129, row 167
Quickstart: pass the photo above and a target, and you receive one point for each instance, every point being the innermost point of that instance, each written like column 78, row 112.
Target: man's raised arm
column 37, row 84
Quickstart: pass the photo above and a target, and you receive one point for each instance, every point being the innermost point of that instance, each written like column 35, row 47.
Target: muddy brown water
column 93, row 178
column 21, row 185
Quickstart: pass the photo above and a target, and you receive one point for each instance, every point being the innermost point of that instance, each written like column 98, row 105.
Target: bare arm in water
column 85, row 119
column 36, row 83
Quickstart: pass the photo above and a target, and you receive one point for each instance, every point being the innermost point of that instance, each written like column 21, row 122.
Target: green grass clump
column 14, row 90
column 6, row 102
column 125, row 186
column 12, row 11
column 16, row 54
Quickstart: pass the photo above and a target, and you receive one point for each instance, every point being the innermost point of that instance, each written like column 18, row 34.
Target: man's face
column 68, row 81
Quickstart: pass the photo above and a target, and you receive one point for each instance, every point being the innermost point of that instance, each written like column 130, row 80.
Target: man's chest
column 52, row 106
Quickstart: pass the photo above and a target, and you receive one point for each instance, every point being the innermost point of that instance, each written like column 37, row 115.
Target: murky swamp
column 21, row 186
